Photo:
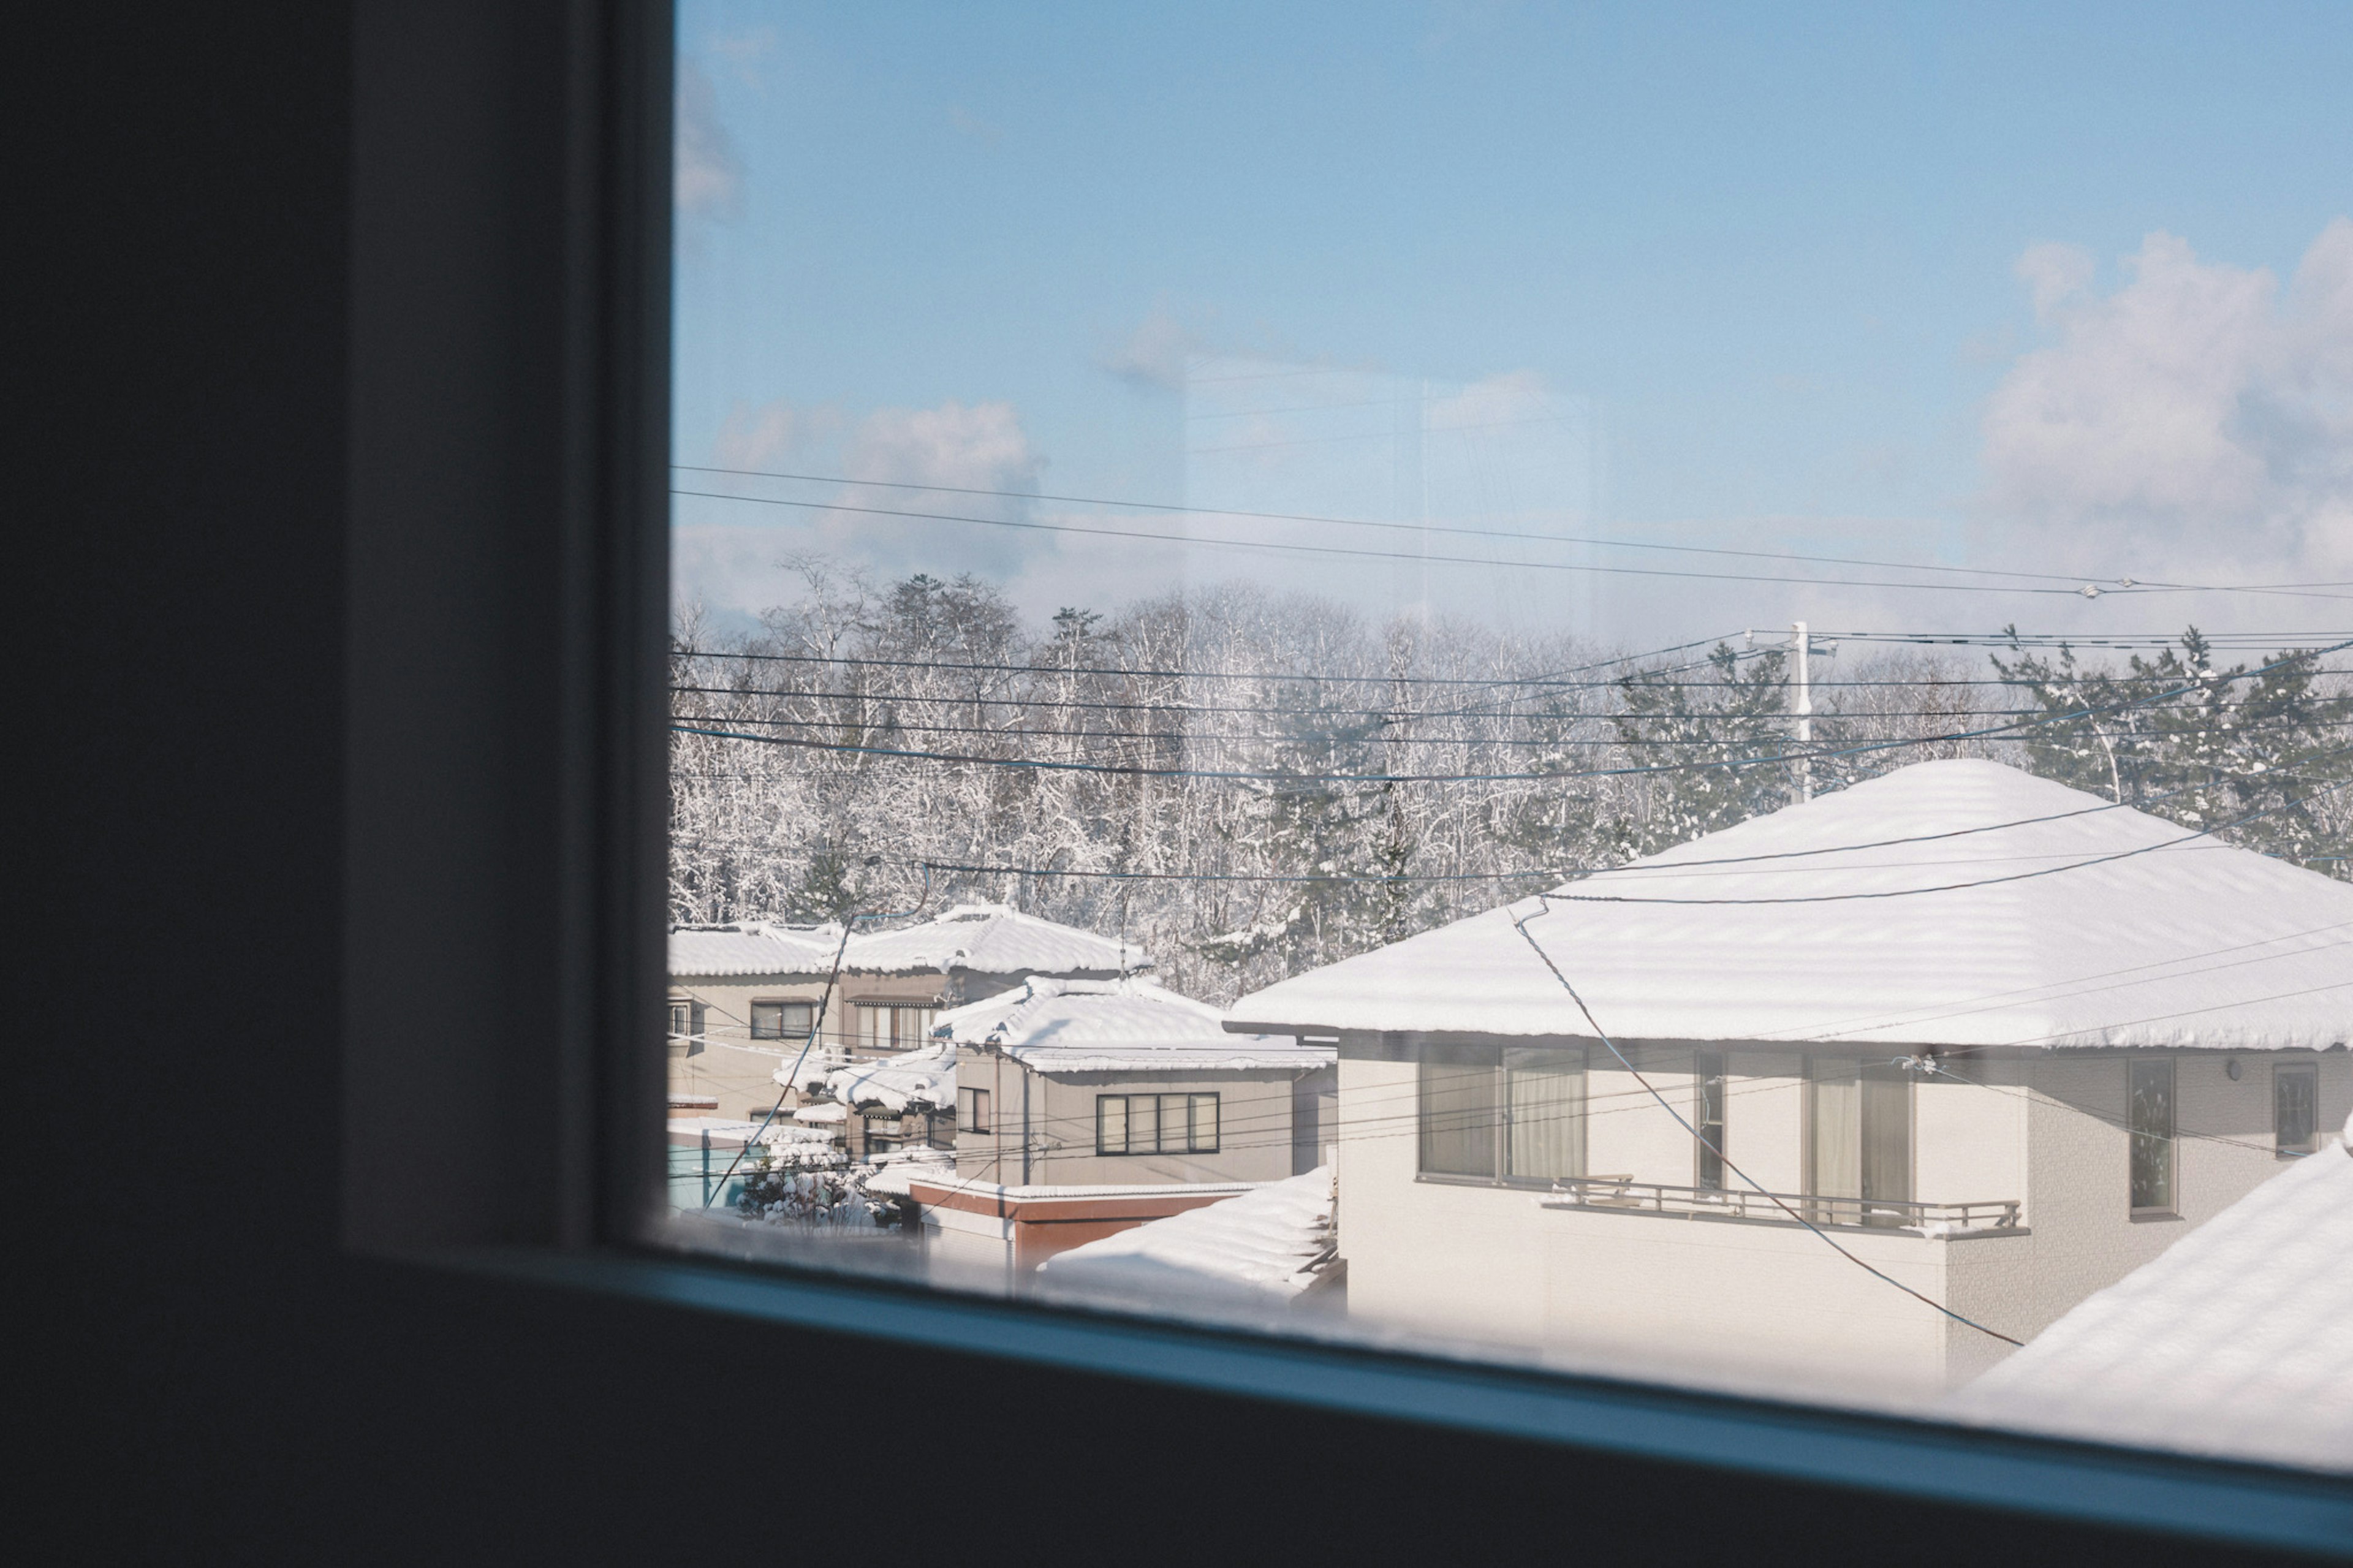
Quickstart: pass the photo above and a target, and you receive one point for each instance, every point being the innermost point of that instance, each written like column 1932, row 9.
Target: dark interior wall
column 216, row 1379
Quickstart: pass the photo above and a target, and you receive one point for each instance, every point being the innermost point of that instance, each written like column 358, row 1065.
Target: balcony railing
column 1623, row 1193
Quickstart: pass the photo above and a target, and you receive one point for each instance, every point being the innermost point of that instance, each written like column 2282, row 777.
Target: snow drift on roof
column 1116, row 1025
column 2237, row 1340
column 991, row 939
column 754, row 949
column 1263, row 1248
column 926, row 1077
column 2081, row 924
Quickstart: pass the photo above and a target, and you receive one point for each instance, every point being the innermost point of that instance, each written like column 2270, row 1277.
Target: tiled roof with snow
column 754, row 949
column 1263, row 1248
column 2237, row 1340
column 1117, row 1026
column 991, row 939
column 926, row 1077
column 1956, row 902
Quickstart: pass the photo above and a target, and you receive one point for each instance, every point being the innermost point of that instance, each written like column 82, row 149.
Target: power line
column 2076, row 582
column 1716, row 1149
column 1536, row 682
column 1982, row 882
column 1424, row 558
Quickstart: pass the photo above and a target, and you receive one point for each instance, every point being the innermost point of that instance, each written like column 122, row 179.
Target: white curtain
column 1837, row 1153
column 1544, row 1104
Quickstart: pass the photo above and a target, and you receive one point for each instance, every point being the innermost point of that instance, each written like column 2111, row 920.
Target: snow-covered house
column 1084, row 1107
column 2236, row 1341
column 895, row 983
column 741, row 998
column 2003, row 1041
column 744, row 997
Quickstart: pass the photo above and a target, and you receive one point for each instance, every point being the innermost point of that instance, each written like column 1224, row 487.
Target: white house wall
column 1470, row 1261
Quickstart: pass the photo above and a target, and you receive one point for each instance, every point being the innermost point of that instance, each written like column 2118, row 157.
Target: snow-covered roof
column 2237, row 1340
column 924, row 1077
column 1957, row 902
column 1261, row 1247
column 992, row 939
column 754, row 949
column 1117, row 1026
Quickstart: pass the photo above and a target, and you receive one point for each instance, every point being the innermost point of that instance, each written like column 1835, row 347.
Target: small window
column 893, row 1026
column 2295, row 1109
column 1707, row 1118
column 685, row 1027
column 782, row 1020
column 971, row 1110
column 2149, row 1123
column 1859, row 1141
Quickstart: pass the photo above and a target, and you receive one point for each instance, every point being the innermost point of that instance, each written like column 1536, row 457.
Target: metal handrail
column 1623, row 1193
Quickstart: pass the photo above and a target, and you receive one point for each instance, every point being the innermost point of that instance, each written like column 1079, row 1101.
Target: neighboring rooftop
column 1117, row 1026
column 1265, row 1248
column 1957, row 902
column 993, row 938
column 920, row 1078
column 2237, row 1340
column 754, row 949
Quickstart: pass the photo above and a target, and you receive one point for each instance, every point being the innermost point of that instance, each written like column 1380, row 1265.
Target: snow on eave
column 1050, row 1061
column 1267, row 1246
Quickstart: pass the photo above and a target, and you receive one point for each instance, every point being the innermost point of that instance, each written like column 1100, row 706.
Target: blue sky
column 1771, row 274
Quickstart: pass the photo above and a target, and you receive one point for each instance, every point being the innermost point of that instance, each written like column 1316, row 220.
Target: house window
column 2149, row 1123
column 2295, row 1108
column 782, row 1020
column 1156, row 1124
column 1859, row 1141
column 1516, row 1115
column 893, row 1026
column 971, row 1110
column 1707, row 1117
column 685, row 1027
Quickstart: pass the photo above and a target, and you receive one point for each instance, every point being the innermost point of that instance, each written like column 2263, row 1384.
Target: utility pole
column 1805, row 711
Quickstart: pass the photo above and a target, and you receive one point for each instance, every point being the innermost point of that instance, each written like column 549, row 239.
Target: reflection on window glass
column 1645, row 692
column 2149, row 1116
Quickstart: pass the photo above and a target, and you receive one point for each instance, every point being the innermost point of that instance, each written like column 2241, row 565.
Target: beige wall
column 1254, row 1114
column 732, row 1066
column 1748, row 1300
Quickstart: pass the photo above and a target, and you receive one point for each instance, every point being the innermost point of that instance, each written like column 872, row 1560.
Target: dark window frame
column 785, row 1028
column 1187, row 1099
column 2312, row 1141
column 506, row 618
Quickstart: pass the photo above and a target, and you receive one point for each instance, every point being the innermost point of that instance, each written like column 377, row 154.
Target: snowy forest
column 1279, row 782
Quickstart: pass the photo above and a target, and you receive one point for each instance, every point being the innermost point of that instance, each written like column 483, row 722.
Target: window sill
column 2242, row 1503
column 2155, row 1216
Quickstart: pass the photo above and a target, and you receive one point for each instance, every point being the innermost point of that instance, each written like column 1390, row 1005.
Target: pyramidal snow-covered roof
column 992, row 939
column 1116, row 1025
column 1960, row 902
column 1262, row 1249
column 753, row 949
column 2237, row 1340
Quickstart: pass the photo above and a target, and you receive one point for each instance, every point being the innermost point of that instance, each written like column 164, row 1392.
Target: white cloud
column 708, row 176
column 2197, row 418
column 1156, row 352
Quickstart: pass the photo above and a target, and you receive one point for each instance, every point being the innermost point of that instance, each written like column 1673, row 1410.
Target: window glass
column 2149, row 1123
column 2295, row 1108
column 1707, row 1118
column 1459, row 1117
column 1674, row 680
